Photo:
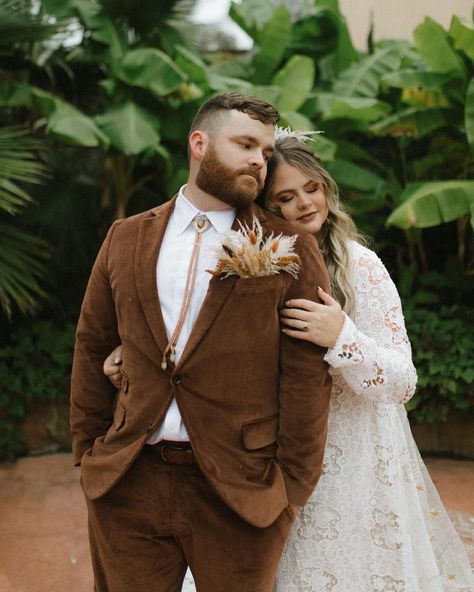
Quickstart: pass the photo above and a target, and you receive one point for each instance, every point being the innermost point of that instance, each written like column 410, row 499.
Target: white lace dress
column 375, row 522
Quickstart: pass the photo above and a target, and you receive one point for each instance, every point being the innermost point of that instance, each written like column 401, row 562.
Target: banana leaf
column 354, row 176
column 413, row 122
column 363, row 78
column 192, row 65
column 296, row 80
column 432, row 42
column 272, row 40
column 462, row 31
column 361, row 109
column 68, row 124
column 469, row 114
column 433, row 203
column 416, row 79
column 130, row 129
column 150, row 69
column 251, row 15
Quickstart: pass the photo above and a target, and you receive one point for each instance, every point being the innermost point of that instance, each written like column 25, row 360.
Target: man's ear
column 198, row 143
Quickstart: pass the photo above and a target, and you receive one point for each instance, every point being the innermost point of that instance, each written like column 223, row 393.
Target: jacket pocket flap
column 253, row 285
column 260, row 432
column 119, row 416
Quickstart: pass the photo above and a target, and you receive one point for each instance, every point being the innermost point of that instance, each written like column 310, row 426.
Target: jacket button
column 149, row 427
column 177, row 379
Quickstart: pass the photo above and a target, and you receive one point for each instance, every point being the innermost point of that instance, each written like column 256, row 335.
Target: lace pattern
column 375, row 522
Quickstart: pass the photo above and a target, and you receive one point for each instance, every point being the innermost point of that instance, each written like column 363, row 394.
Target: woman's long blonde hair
column 337, row 230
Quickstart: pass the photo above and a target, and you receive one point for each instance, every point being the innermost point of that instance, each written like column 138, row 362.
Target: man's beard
column 226, row 184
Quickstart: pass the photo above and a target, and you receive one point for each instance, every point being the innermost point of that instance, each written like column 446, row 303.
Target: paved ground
column 43, row 539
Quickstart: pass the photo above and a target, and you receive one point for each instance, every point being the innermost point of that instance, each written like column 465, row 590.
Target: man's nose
column 257, row 159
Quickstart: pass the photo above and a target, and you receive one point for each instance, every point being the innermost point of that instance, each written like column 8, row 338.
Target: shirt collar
column 184, row 212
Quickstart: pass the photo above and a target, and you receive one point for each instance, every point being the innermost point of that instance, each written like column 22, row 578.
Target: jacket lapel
column 218, row 290
column 150, row 237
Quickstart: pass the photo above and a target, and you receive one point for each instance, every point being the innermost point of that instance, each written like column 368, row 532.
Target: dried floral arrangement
column 247, row 253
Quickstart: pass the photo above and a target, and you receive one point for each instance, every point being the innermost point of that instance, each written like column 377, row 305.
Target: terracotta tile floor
column 43, row 538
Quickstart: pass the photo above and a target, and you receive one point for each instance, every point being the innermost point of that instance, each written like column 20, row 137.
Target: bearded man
column 216, row 436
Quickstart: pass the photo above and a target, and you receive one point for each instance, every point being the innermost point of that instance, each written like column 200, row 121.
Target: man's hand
column 112, row 366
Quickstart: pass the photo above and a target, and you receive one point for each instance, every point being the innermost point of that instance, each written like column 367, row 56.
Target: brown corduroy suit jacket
column 254, row 402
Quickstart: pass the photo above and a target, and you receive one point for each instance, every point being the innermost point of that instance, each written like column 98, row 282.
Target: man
column 217, row 434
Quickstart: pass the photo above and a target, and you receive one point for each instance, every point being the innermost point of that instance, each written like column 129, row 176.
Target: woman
column 375, row 522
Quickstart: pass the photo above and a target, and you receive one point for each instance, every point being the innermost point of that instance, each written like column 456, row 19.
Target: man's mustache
column 251, row 171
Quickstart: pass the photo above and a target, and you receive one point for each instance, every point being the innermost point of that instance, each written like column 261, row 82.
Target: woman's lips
column 308, row 216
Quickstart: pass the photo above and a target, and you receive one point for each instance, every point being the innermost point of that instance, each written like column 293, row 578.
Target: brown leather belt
column 176, row 453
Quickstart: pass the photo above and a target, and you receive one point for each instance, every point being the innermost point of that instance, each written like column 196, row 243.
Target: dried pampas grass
column 246, row 253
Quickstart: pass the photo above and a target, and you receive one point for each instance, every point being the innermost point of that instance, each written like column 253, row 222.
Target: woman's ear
column 198, row 142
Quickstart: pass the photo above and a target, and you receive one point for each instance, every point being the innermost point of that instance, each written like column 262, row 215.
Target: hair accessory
column 302, row 136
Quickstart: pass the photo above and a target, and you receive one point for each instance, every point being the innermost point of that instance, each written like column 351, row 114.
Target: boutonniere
column 247, row 253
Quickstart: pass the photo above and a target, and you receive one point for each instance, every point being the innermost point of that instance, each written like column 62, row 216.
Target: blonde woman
column 375, row 522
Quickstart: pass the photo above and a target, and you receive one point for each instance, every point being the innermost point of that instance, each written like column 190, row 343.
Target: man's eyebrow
column 253, row 140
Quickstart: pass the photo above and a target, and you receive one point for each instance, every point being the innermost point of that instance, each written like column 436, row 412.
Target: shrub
column 35, row 365
column 442, row 341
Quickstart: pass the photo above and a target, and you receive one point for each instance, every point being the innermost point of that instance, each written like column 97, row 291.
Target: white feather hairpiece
column 301, row 136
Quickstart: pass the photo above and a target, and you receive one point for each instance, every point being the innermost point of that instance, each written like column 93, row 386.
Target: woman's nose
column 303, row 201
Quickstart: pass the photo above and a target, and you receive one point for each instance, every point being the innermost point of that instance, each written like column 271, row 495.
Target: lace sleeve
column 373, row 353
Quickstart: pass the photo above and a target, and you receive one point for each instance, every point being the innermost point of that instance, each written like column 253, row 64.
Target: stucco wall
column 398, row 18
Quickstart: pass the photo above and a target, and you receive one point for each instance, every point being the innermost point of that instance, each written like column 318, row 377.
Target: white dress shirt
column 171, row 272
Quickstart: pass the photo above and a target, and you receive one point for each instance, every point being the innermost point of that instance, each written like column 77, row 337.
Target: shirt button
column 177, row 379
column 149, row 427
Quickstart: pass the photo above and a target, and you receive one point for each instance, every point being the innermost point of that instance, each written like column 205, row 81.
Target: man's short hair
column 208, row 115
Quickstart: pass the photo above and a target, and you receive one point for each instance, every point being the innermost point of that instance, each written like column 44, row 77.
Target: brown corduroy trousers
column 162, row 517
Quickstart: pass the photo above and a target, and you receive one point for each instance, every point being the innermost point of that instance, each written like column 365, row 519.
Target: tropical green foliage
column 442, row 343
column 111, row 87
column 34, row 366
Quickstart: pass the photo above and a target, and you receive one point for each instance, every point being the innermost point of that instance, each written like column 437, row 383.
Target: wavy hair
column 337, row 230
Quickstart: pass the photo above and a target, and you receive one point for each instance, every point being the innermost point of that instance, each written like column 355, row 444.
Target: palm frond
column 19, row 25
column 21, row 267
column 18, row 163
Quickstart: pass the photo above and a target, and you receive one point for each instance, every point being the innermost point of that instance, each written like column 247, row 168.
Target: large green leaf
column 354, row 176
column 296, row 79
column 68, row 124
column 413, row 122
column 416, row 79
column 251, row 15
column 315, row 33
column 131, row 130
column 432, row 42
column 192, row 64
column 363, row 78
column 462, row 32
column 358, row 108
column 14, row 94
column 221, row 83
column 469, row 114
column 150, row 69
column 272, row 40
column 345, row 53
column 433, row 203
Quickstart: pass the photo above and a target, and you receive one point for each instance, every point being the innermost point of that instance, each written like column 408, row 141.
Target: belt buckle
column 171, row 447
